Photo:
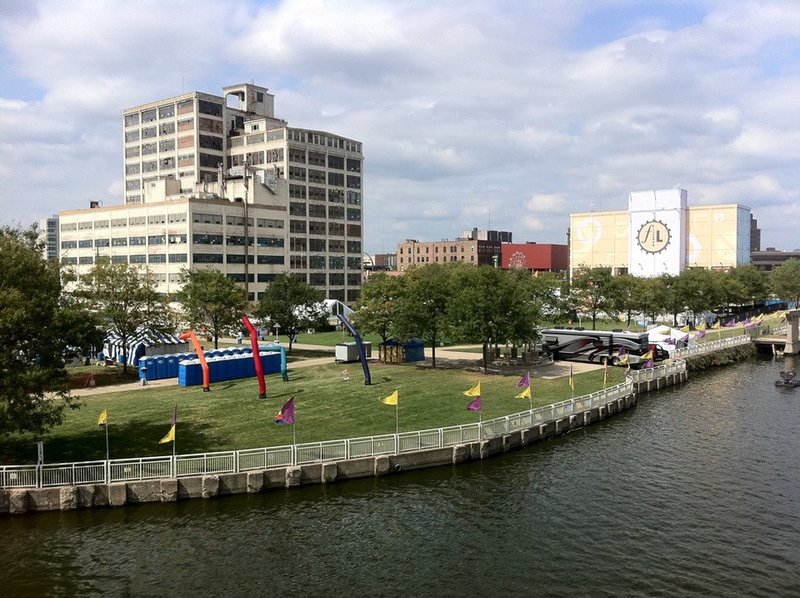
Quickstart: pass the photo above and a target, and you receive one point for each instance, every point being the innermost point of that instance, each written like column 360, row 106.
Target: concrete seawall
column 64, row 498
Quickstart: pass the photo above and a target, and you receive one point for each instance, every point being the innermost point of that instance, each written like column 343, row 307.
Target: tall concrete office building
column 234, row 171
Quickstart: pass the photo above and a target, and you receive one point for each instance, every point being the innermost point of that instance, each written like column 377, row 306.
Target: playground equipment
column 346, row 323
column 201, row 356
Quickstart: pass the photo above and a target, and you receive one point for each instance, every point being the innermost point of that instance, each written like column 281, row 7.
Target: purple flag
column 622, row 351
column 669, row 341
column 475, row 405
column 526, row 380
column 649, row 363
column 701, row 334
column 286, row 414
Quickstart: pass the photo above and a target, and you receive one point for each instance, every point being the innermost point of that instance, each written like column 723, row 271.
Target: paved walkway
column 557, row 369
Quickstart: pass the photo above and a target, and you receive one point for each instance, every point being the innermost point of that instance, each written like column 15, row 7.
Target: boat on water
column 788, row 379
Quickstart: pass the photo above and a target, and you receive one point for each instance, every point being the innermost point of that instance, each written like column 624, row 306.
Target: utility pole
column 246, row 237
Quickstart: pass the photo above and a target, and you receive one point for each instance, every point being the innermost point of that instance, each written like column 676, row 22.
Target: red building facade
column 536, row 257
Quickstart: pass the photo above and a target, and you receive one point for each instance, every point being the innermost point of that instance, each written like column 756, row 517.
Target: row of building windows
column 317, row 138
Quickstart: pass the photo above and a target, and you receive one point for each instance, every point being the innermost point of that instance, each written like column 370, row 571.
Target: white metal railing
column 711, row 346
column 149, row 468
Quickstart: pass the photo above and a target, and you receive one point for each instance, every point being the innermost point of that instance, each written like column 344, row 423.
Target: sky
column 507, row 115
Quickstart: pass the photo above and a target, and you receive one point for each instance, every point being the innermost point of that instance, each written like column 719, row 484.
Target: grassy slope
column 232, row 417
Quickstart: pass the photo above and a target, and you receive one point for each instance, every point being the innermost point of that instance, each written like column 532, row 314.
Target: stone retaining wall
column 65, row 498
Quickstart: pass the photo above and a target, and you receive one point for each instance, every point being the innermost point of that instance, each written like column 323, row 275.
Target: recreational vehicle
column 596, row 346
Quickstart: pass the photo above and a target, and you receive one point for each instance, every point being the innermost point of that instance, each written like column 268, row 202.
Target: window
column 354, row 263
column 149, row 132
column 354, row 198
column 210, row 142
column 297, row 155
column 317, row 245
column 316, row 159
column 207, row 258
column 336, row 195
column 336, row 246
column 138, row 259
column 354, row 182
column 101, row 224
column 119, row 242
column 336, row 179
column 117, row 222
column 148, row 148
column 166, row 146
column 209, row 125
column 166, row 111
column 354, row 214
column 297, row 191
column 137, row 241
column 206, row 107
column 157, row 258
column 269, row 242
column 156, row 240
column 132, row 169
column 84, row 243
column 336, row 262
column 353, row 280
column 316, row 193
column 238, row 258
column 266, row 277
column 297, row 173
column 206, row 239
column 131, row 119
column 176, row 239
column 352, row 295
column 316, row 228
column 201, row 218
column 354, row 247
column 297, row 244
column 185, row 106
column 69, row 244
column 336, row 162
column 136, row 221
column 148, row 115
column 150, row 166
column 173, row 218
column 186, row 160
column 317, row 262
column 156, row 219
column 86, row 260
column 317, row 280
column 134, row 184
column 336, row 280
column 237, row 240
column 131, row 136
column 132, row 152
column 102, row 242
column 186, row 124
column 353, row 165
column 271, row 259
column 85, row 225
column 119, row 259
column 297, row 226
column 69, row 261
column 353, row 230
column 336, row 212
column 297, row 262
column 297, row 208
column 316, row 176
column 336, row 229
column 269, row 223
column 316, row 210
column 177, row 258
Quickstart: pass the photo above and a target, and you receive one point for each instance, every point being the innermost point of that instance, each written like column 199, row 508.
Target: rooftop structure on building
column 221, row 182
column 770, row 258
column 477, row 234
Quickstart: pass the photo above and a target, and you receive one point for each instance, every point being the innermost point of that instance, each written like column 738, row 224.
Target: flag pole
column 530, row 396
column 397, row 418
column 108, row 458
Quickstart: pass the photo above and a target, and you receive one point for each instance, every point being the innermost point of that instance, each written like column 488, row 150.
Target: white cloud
column 465, row 109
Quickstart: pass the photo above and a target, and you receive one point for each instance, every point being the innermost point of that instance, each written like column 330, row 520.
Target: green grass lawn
column 232, row 416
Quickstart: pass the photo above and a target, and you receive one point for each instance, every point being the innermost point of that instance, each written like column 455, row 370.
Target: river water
column 694, row 492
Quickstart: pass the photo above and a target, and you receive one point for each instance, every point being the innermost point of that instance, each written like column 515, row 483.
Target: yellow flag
column 624, row 360
column 170, row 437
column 525, row 394
column 103, row 419
column 715, row 324
column 685, row 328
column 702, row 325
column 646, row 356
column 475, row 391
column 392, row 398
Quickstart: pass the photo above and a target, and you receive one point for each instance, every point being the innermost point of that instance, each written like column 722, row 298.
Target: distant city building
column 472, row 251
column 768, row 259
column 233, row 188
column 536, row 257
column 755, row 235
column 48, row 234
column 476, row 234
column 384, row 261
column 660, row 234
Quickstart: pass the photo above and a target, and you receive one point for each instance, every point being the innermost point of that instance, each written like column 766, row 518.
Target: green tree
column 752, row 281
column 653, row 291
column 377, row 306
column 785, row 281
column 291, row 304
column 698, row 290
column 124, row 297
column 422, row 310
column 492, row 305
column 628, row 296
column 40, row 327
column 212, row 300
column 593, row 291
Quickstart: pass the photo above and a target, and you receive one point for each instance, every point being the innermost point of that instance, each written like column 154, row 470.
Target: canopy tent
column 145, row 341
column 669, row 338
